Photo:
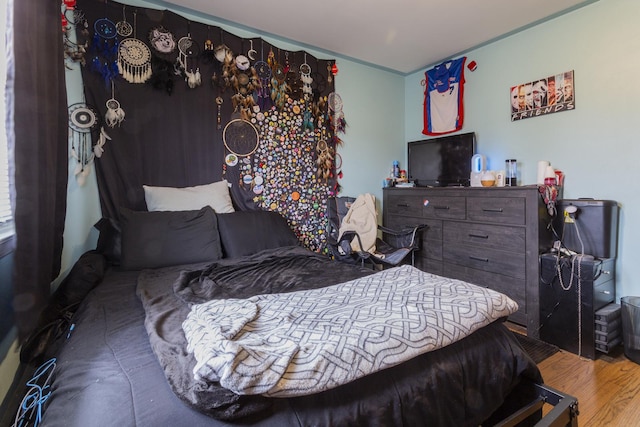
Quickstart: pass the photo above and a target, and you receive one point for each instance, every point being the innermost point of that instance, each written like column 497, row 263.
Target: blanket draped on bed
column 406, row 394
column 310, row 341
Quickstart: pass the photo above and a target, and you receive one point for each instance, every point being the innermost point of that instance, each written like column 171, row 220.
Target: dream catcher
column 123, row 28
column 244, row 80
column 279, row 86
column 115, row 114
column 83, row 121
column 336, row 116
column 263, row 71
column 75, row 51
column 305, row 77
column 292, row 77
column 325, row 159
column 245, row 84
column 241, row 139
column 134, row 57
column 105, row 49
column 189, row 50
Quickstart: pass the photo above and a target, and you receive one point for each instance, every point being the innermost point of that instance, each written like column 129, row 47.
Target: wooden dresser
column 488, row 236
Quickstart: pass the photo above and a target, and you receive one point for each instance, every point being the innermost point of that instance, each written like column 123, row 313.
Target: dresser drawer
column 432, row 232
column 501, row 262
column 501, row 210
column 403, row 204
column 603, row 294
column 440, row 207
column 511, row 239
column 513, row 288
column 429, row 265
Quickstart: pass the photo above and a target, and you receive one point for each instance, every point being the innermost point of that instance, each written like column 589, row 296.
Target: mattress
column 109, row 371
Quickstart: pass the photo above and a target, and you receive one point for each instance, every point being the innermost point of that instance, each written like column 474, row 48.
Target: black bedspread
column 108, row 374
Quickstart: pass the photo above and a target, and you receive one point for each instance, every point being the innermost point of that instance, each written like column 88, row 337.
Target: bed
column 126, row 359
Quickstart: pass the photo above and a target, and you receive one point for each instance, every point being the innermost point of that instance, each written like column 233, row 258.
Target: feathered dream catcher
column 83, row 122
column 336, row 115
column 279, row 86
column 337, row 124
column 241, row 140
column 238, row 74
column 115, row 114
column 263, row 72
column 134, row 56
column 189, row 51
column 104, row 49
column 74, row 51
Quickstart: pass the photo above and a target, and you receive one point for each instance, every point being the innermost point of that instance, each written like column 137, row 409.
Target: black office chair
column 391, row 251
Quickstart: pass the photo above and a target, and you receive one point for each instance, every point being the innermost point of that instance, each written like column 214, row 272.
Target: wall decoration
column 443, row 104
column 83, row 122
column 227, row 107
column 540, row 97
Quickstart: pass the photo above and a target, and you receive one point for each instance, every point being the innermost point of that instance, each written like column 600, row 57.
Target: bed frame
column 563, row 414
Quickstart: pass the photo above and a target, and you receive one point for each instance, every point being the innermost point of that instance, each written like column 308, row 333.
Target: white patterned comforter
column 306, row 342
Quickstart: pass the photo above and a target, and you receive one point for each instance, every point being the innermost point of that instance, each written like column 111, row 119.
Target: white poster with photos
column 540, row 97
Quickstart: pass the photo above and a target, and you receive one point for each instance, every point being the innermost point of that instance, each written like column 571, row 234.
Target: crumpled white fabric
column 305, row 342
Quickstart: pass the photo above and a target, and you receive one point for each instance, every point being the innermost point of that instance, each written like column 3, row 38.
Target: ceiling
column 403, row 36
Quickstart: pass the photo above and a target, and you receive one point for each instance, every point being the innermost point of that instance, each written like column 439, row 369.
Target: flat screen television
column 441, row 162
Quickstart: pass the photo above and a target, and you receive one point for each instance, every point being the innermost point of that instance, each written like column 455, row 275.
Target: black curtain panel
column 40, row 154
column 172, row 133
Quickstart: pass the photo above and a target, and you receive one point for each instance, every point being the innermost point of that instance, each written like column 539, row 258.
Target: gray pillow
column 248, row 232
column 165, row 238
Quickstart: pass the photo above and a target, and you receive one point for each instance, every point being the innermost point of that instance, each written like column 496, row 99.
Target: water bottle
column 396, row 169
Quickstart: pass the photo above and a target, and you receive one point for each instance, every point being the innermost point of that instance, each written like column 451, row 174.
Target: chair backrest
column 337, row 208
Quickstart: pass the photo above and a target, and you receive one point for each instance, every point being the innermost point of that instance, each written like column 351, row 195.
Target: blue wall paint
column 597, row 145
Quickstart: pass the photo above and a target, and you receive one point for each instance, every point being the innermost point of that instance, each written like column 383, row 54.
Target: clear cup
column 511, row 172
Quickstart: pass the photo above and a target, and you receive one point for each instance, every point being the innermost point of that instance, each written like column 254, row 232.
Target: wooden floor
column 608, row 389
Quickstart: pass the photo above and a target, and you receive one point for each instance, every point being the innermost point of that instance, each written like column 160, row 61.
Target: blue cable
column 30, row 411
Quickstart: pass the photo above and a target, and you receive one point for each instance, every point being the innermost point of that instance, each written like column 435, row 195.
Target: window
column 6, row 126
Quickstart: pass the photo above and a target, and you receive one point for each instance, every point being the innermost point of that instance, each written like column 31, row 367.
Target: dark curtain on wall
column 168, row 138
column 40, row 155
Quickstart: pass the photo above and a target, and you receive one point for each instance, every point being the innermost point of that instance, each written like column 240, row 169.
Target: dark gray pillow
column 109, row 239
column 248, row 232
column 164, row 238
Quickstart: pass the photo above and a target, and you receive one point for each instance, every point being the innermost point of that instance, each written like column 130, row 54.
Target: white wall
column 596, row 145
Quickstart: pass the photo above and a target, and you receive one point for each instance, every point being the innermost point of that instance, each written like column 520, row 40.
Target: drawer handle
column 475, row 258
column 499, row 210
column 606, row 292
column 403, row 205
column 480, row 236
column 606, row 272
column 441, row 207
